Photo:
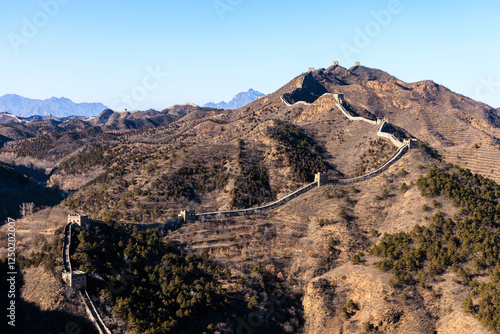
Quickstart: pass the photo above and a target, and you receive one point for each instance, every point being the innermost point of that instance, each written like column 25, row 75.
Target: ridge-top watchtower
column 78, row 220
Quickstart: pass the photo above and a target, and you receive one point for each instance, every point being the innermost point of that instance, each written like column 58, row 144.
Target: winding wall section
column 260, row 209
column 84, row 296
column 92, row 312
column 403, row 147
column 66, row 246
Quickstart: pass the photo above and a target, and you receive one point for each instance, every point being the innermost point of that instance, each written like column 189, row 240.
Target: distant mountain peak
column 59, row 107
column 240, row 100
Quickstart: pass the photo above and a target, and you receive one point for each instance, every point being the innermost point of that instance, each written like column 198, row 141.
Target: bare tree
column 26, row 209
column 29, row 208
column 23, row 210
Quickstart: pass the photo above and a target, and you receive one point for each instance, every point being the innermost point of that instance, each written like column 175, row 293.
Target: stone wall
column 92, row 313
column 69, row 276
column 66, row 247
column 401, row 151
column 355, row 118
column 260, row 209
column 389, row 136
column 170, row 224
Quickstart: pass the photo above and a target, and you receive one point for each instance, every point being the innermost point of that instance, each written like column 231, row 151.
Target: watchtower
column 75, row 279
column 187, row 215
column 78, row 220
column 335, row 63
column 321, row 179
column 356, row 63
column 412, row 143
column 311, row 69
column 339, row 98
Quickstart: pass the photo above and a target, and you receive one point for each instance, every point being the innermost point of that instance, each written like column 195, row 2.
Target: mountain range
column 240, row 100
column 400, row 251
column 59, row 107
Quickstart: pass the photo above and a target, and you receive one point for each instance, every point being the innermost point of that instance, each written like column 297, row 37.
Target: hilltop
column 322, row 250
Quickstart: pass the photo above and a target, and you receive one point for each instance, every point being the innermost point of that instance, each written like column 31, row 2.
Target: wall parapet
column 400, row 152
column 94, row 316
column 260, row 209
column 387, row 135
column 355, row 118
column 66, row 247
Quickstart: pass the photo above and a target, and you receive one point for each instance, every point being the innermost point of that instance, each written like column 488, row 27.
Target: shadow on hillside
column 311, row 90
column 34, row 173
column 30, row 319
column 16, row 189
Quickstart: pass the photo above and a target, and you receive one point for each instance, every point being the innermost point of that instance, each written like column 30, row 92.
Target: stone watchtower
column 335, row 63
column 75, row 279
column 339, row 98
column 78, row 220
column 311, row 69
column 321, row 179
column 187, row 215
column 412, row 143
column 356, row 63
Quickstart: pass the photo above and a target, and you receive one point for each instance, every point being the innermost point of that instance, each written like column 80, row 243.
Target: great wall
column 78, row 279
column 320, row 179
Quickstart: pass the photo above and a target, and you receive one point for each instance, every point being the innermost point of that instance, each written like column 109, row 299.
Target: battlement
column 78, row 220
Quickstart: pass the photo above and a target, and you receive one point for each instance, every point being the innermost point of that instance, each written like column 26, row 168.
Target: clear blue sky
column 99, row 51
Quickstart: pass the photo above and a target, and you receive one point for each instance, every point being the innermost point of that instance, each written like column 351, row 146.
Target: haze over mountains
column 20, row 109
column 59, row 107
column 240, row 100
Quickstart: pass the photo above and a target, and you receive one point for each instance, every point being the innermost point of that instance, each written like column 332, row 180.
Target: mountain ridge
column 238, row 101
column 60, row 107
